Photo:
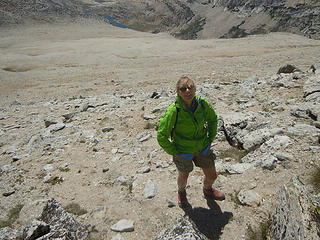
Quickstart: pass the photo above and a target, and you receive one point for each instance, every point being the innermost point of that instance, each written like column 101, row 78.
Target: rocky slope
column 79, row 107
column 184, row 19
column 227, row 18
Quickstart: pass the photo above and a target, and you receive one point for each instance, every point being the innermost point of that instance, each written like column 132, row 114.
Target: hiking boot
column 182, row 198
column 213, row 194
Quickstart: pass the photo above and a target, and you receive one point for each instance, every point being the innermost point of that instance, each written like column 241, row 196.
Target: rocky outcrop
column 183, row 229
column 185, row 19
column 242, row 18
column 47, row 221
column 150, row 16
column 19, row 11
column 292, row 217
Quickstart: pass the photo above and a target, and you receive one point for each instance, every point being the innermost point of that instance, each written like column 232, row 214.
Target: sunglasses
column 183, row 89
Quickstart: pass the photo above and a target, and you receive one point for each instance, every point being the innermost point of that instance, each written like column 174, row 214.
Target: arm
column 166, row 124
column 212, row 119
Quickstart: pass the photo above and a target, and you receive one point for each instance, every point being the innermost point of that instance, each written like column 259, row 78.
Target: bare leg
column 182, row 181
column 210, row 175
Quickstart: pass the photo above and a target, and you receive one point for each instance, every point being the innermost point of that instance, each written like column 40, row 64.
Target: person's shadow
column 210, row 222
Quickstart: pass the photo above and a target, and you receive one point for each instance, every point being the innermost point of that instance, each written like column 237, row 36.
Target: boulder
column 292, row 218
column 288, row 69
column 249, row 197
column 52, row 222
column 124, row 225
column 183, row 229
column 247, row 130
column 7, row 233
column 311, row 86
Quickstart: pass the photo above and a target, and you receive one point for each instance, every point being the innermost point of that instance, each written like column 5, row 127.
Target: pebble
column 149, row 189
column 124, row 225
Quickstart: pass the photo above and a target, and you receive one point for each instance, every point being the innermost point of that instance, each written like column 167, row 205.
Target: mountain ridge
column 184, row 19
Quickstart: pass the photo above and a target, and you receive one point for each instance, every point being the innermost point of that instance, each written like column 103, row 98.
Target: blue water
column 109, row 18
column 113, row 22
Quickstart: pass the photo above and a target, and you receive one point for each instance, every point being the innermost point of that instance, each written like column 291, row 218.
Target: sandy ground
column 34, row 56
column 47, row 62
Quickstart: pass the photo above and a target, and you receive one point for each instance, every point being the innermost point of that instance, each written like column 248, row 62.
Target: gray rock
column 238, row 168
column 247, row 130
column 7, row 168
column 64, row 167
column 251, row 81
column 48, row 167
column 128, row 95
column 291, row 216
column 149, row 116
column 171, row 203
column 107, row 129
column 162, row 106
column 255, row 138
column 116, row 159
column 300, row 111
column 124, row 225
column 182, row 230
column 19, row 157
column 288, row 69
column 34, row 142
column 149, row 189
column 162, row 164
column 114, row 150
column 149, row 125
column 154, row 153
column 7, row 233
column 285, row 80
column 268, row 161
column 145, row 169
column 123, row 180
column 303, row 129
column 314, row 111
column 155, row 95
column 8, row 192
column 13, row 149
column 312, row 85
column 314, row 97
column 49, row 178
column 144, row 137
column 84, row 107
column 281, row 156
column 277, row 142
column 99, row 212
column 48, row 123
column 68, row 117
column 232, row 123
column 62, row 225
column 249, row 197
column 36, row 230
column 56, row 127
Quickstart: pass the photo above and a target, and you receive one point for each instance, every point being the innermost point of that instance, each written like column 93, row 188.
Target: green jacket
column 189, row 135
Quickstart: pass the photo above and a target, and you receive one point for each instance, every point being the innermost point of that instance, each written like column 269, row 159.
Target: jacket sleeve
column 212, row 119
column 166, row 124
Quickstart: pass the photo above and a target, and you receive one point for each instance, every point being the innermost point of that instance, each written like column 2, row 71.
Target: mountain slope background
column 185, row 19
column 76, row 100
column 80, row 100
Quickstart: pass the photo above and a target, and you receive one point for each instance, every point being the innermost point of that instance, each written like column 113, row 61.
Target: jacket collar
column 179, row 101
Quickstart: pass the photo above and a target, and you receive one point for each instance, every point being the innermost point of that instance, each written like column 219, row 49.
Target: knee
column 183, row 175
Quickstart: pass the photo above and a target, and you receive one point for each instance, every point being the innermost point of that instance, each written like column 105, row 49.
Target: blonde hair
column 184, row 80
